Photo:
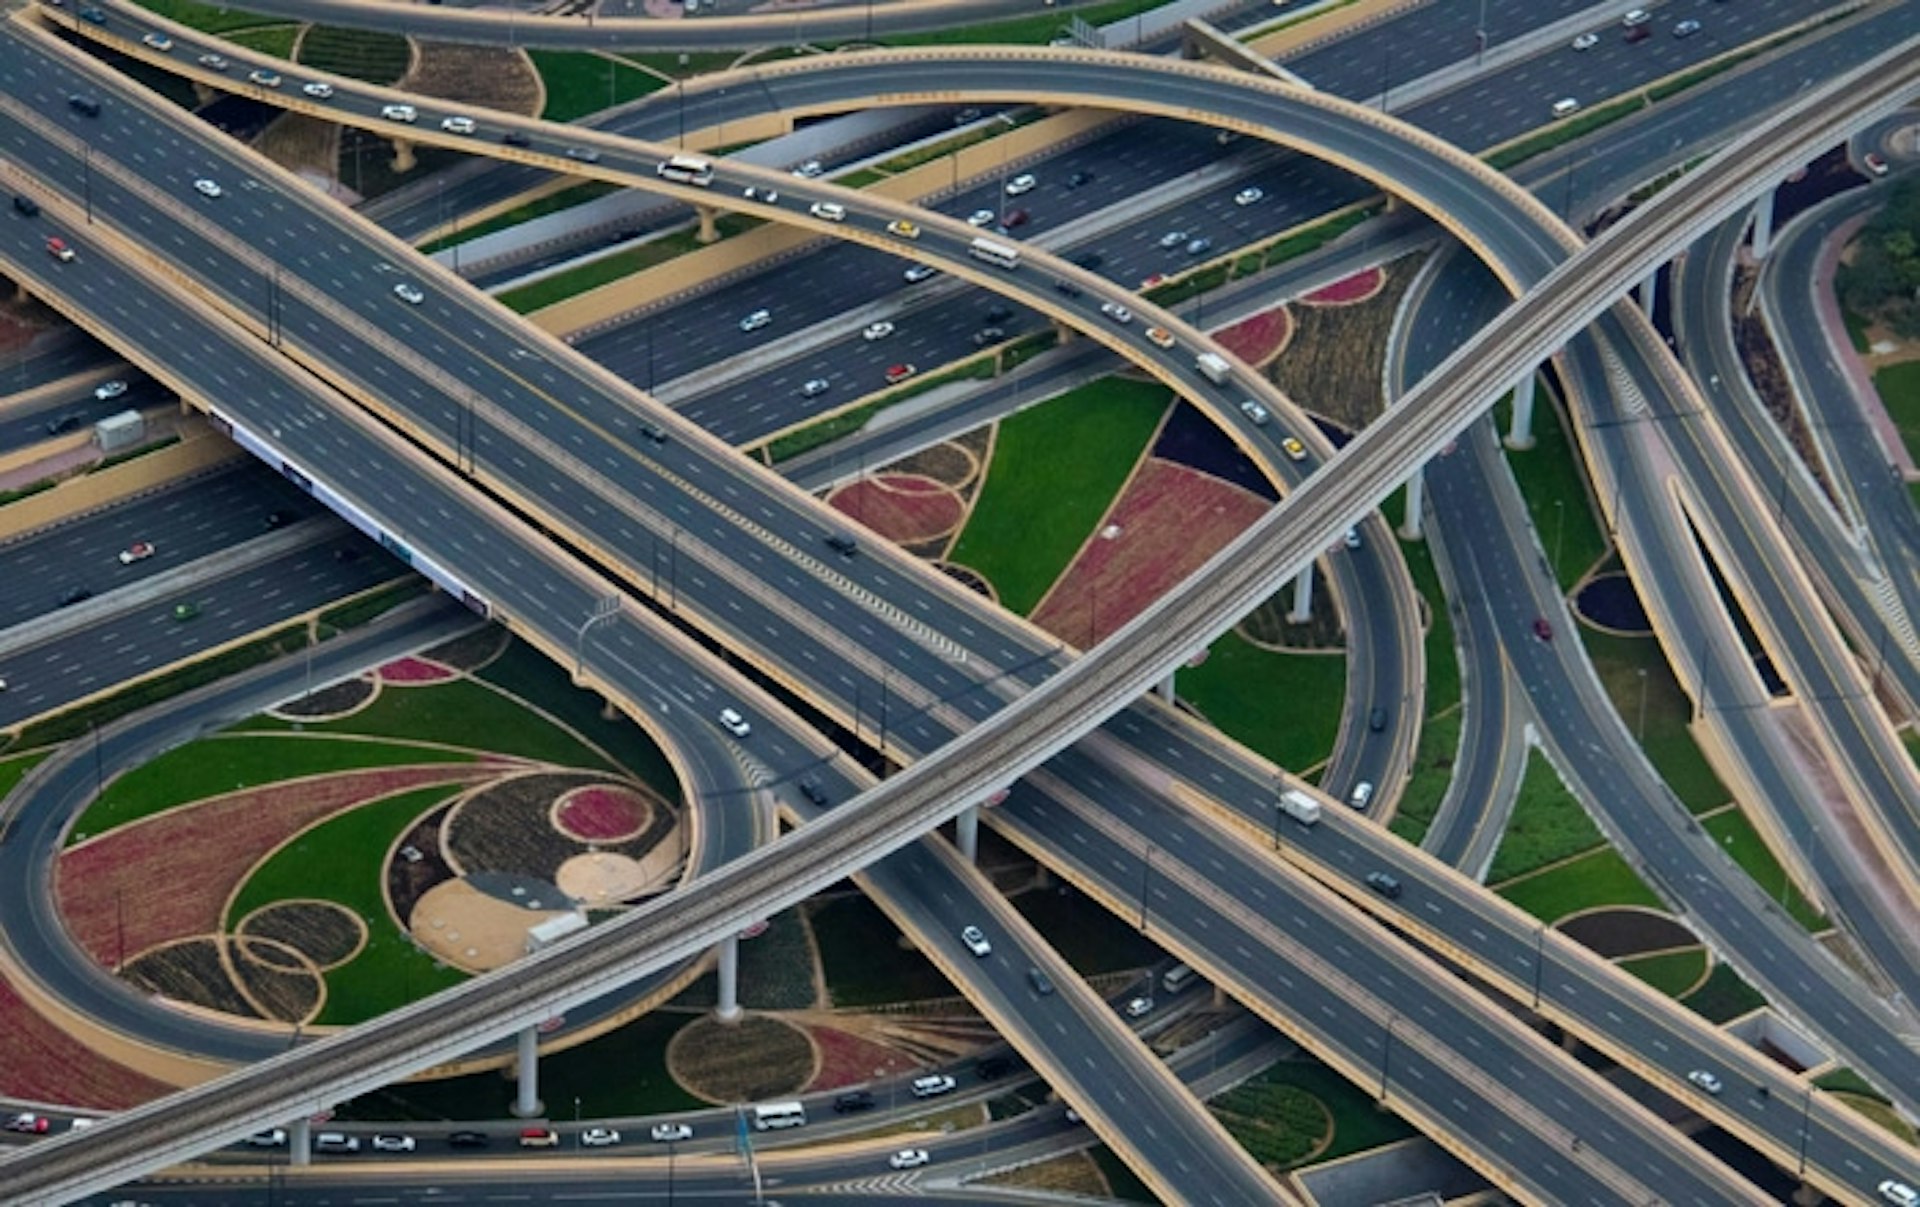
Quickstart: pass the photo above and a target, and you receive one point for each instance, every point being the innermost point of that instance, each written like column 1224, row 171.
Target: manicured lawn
column 1358, row 1122
column 1091, row 937
column 1056, row 469
column 1672, row 973
column 459, row 712
column 342, row 860
column 13, row 770
column 624, row 1072
column 525, row 672
column 864, row 961
column 1033, row 31
column 1899, row 389
column 1279, row 1125
column 623, row 263
column 579, row 84
column 1666, row 737
column 226, row 764
column 209, row 18
column 276, row 40
column 1602, row 878
column 1724, row 997
column 1553, row 480
column 1548, row 824
column 360, row 54
column 539, row 207
column 1285, row 706
column 1739, row 839
column 1432, row 772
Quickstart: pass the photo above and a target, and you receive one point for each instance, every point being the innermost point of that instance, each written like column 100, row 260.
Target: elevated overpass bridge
column 1307, row 545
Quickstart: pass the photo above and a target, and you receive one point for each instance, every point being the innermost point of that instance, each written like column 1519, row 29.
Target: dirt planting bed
column 1359, row 287
column 1166, row 523
column 507, row 827
column 906, row 509
column 273, row 977
column 755, row 1058
column 495, row 77
column 322, row 932
column 414, row 670
column 1258, row 338
column 409, row 880
column 1332, row 364
column 1614, row 933
column 847, row 1059
column 336, row 699
column 41, row 1063
column 190, row 971
column 472, row 651
column 602, row 813
column 169, row 876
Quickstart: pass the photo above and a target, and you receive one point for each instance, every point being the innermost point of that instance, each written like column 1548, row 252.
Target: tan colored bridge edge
column 198, row 450
column 1302, row 36
column 597, row 308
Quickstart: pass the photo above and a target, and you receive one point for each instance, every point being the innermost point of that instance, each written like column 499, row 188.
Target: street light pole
column 1539, row 961
column 1386, row 1056
column 1640, row 730
column 1146, row 872
column 1806, row 1110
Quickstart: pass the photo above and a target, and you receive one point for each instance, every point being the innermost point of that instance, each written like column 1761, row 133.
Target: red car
column 1542, row 628
column 58, row 249
column 139, row 551
column 899, row 373
column 34, row 1125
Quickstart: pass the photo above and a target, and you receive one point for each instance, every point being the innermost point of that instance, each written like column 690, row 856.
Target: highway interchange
column 481, row 443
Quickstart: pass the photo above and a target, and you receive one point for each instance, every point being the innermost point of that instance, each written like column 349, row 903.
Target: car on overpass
column 139, row 551
column 976, row 940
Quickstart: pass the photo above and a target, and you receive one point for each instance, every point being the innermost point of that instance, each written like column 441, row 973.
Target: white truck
column 1299, row 806
column 1213, row 367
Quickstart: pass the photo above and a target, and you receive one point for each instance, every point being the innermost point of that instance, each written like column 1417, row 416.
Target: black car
column 1079, row 178
column 1067, row 288
column 996, row 314
column 73, row 595
column 811, row 789
column 277, row 518
column 654, row 432
column 467, row 1140
column 854, row 1100
column 514, row 138
column 24, row 204
column 84, row 104
column 987, row 1068
column 988, row 335
column 1091, row 261
column 62, row 424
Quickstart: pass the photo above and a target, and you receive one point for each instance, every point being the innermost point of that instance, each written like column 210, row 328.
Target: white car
column 908, row 1158
column 815, row 387
column 139, row 551
column 109, row 389
column 207, row 188
column 457, row 125
column 1249, row 196
column 1139, row 1007
column 1875, row 163
column 809, row 169
column 976, row 940
column 1173, row 238
column 600, row 1137
column 1255, row 413
column 756, row 320
column 409, row 293
column 919, row 272
column 1586, row 41
column 981, row 218
column 1023, row 183
column 1705, row 1080
column 275, row 1137
column 664, row 1132
column 1899, row 1194
column 734, row 723
column 158, row 41
column 264, row 78
column 399, row 113
column 1118, row 313
column 317, row 90
column 874, row 331
column 385, row 1143
column 933, row 1085
column 1362, row 793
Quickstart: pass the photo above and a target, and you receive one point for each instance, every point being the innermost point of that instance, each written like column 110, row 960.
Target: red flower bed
column 414, row 670
column 905, row 508
column 41, row 1063
column 1171, row 520
column 1257, row 338
column 1356, row 288
column 601, row 814
column 167, row 877
column 849, row 1060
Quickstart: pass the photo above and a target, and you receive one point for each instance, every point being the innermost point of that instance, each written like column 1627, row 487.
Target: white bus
column 769, row 1115
column 998, row 254
column 688, row 169
column 1178, row 977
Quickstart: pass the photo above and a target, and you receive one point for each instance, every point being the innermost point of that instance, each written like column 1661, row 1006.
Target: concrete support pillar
column 1763, row 226
column 728, row 1008
column 403, row 160
column 300, row 1142
column 526, row 1075
column 1650, row 291
column 1302, row 597
column 1063, row 334
column 20, row 295
column 966, row 833
column 708, row 232
column 1520, row 431
column 1413, row 525
column 1164, row 688
column 203, row 94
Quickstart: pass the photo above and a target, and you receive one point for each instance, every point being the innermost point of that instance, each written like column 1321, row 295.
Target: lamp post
column 1386, row 1056
column 1640, row 729
column 1806, row 1111
column 1539, row 961
column 1559, row 531
column 1146, row 873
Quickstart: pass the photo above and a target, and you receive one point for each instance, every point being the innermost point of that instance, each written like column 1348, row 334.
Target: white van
column 336, row 1142
column 831, row 211
column 1566, row 106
